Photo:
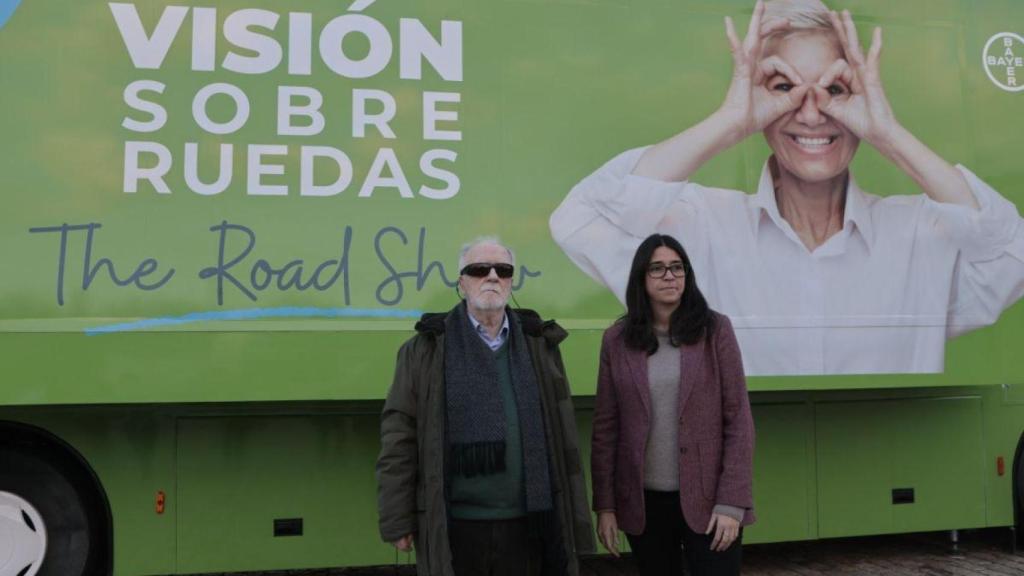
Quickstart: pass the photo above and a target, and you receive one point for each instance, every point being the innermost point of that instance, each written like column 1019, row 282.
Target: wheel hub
column 22, row 536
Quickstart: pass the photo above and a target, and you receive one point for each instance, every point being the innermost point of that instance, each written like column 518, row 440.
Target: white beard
column 496, row 303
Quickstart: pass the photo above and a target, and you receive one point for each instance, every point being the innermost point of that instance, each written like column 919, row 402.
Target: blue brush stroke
column 7, row 8
column 253, row 314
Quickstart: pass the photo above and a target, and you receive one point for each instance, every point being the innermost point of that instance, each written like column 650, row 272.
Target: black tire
column 51, row 486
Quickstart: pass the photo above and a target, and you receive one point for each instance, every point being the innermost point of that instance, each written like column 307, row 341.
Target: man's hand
column 404, row 543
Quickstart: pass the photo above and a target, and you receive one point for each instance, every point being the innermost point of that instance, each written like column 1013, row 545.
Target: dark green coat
column 410, row 468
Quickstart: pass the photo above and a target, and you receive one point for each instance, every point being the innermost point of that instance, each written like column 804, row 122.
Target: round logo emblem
column 1003, row 59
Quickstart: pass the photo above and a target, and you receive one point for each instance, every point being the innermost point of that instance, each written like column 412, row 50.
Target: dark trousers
column 657, row 552
column 494, row 548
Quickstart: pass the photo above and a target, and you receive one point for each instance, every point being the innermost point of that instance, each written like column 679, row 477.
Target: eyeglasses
column 482, row 269
column 658, row 270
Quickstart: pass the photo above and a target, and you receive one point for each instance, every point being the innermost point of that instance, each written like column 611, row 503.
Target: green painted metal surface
column 241, row 421
column 132, row 453
column 236, row 475
column 230, row 470
column 785, row 490
column 825, row 465
column 866, row 450
column 547, row 91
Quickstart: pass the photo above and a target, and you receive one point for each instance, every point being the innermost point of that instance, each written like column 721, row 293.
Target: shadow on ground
column 979, row 553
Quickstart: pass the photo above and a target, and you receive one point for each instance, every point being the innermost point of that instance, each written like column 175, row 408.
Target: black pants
column 494, row 548
column 657, row 553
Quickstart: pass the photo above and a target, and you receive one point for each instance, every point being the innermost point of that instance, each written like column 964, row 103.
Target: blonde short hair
column 802, row 14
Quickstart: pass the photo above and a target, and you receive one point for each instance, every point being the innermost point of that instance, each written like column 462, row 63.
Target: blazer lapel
column 637, row 362
column 691, row 370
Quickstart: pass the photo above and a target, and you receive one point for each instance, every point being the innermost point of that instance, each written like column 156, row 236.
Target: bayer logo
column 1003, row 59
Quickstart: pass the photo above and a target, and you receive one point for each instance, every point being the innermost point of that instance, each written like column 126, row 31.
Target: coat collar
column 432, row 324
column 691, row 370
column 637, row 360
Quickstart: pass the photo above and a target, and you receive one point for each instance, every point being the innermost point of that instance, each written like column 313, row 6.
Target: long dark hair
column 691, row 321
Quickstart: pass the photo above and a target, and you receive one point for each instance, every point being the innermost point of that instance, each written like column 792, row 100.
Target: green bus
column 223, row 219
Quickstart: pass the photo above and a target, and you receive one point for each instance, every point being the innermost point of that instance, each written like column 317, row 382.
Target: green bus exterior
column 201, row 372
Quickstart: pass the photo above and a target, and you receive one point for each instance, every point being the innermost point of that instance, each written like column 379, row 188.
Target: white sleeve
column 609, row 213
column 990, row 271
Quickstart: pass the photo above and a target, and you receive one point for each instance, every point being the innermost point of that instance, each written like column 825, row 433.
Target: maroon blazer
column 716, row 430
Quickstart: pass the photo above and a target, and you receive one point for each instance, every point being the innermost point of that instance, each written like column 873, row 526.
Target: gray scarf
column 475, row 411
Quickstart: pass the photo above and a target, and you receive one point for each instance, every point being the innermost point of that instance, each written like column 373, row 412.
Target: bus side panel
column 131, row 451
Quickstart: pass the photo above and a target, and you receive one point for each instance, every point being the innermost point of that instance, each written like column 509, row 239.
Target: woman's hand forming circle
column 851, row 89
column 749, row 103
column 608, row 532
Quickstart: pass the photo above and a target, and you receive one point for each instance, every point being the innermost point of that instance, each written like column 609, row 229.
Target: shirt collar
column 856, row 211
column 483, row 331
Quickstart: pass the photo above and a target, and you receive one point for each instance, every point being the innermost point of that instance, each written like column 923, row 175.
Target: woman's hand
column 726, row 530
column 608, row 532
column 851, row 89
column 749, row 104
column 862, row 107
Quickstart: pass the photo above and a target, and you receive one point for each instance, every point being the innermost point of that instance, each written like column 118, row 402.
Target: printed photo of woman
column 817, row 275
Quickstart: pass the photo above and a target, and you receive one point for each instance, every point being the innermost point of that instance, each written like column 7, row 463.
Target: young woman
column 673, row 439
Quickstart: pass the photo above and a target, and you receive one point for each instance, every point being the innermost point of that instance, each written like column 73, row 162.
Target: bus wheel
column 22, row 536
column 45, row 524
column 1018, row 493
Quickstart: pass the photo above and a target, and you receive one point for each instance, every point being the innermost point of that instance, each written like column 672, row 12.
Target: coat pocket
column 710, row 468
column 625, row 477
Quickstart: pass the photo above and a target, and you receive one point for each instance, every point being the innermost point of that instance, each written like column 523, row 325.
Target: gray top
column 661, row 462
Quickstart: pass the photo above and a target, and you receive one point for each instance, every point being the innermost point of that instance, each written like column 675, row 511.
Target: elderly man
column 479, row 463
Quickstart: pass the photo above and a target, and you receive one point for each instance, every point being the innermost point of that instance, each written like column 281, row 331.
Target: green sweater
column 502, row 495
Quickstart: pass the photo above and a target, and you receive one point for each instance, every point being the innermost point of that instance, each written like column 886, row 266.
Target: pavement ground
column 979, row 553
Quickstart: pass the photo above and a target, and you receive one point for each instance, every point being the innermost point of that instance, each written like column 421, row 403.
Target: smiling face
column 489, row 292
column 809, row 145
column 665, row 289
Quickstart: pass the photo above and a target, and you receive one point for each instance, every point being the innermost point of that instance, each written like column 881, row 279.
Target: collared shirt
column 492, row 343
column 880, row 296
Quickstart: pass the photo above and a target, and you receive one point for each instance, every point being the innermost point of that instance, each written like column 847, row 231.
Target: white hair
column 804, row 17
column 483, row 241
column 802, row 14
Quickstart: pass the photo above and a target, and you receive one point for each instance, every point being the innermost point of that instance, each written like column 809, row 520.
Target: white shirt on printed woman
column 881, row 296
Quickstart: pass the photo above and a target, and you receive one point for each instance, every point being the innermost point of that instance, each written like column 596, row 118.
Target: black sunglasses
column 482, row 269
